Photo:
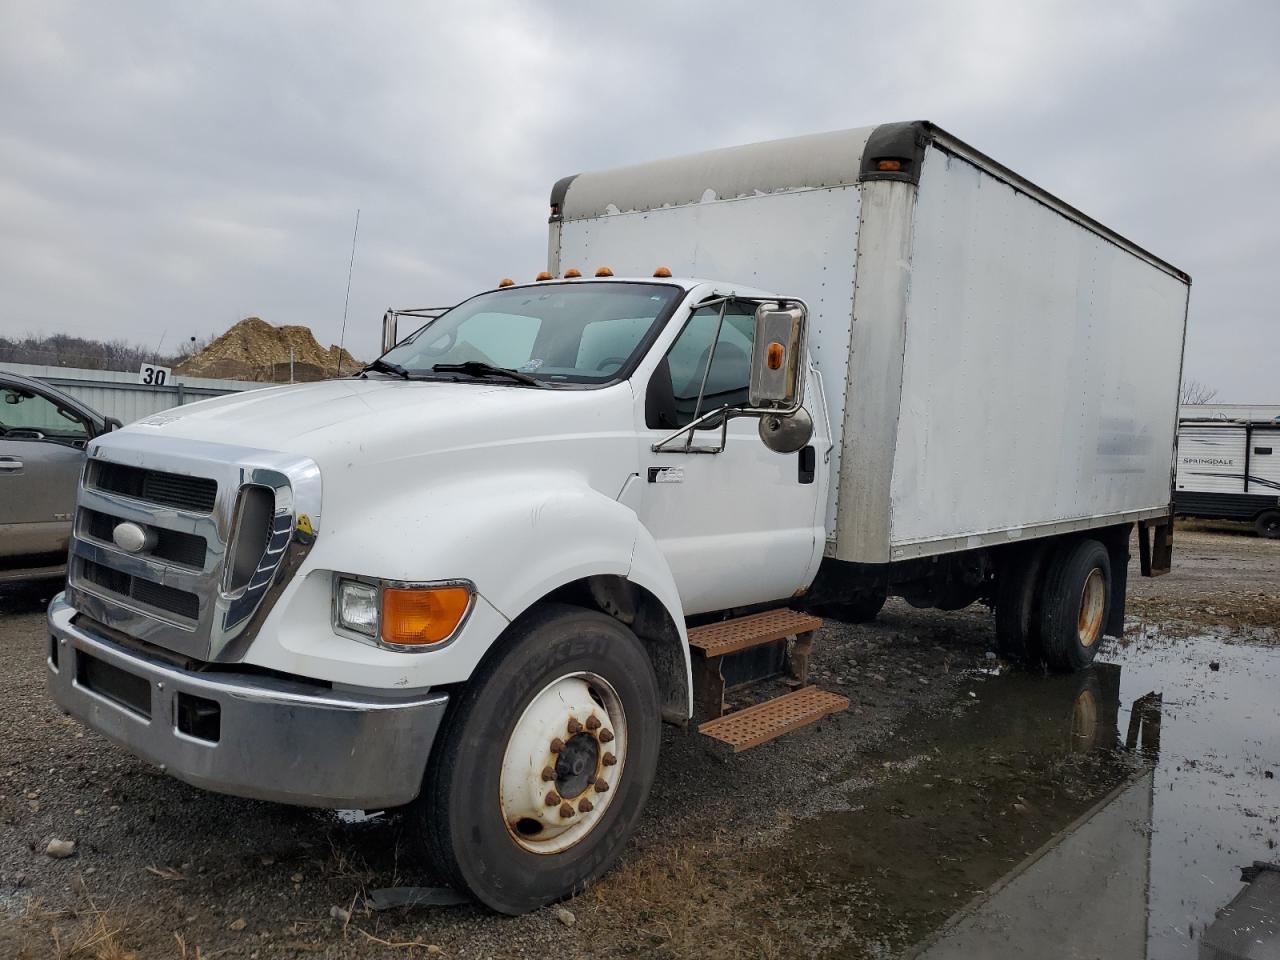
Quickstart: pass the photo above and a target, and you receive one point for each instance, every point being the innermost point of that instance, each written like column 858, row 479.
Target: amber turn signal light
column 774, row 354
column 422, row 615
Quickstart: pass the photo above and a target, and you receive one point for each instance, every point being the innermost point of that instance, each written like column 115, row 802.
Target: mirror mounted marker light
column 776, row 357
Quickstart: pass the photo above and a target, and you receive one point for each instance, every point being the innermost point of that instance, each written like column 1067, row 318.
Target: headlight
column 357, row 607
column 402, row 615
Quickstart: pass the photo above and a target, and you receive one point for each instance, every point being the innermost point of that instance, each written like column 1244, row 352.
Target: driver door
column 41, row 456
column 740, row 526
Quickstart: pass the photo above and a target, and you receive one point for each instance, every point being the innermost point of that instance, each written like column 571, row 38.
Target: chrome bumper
column 274, row 739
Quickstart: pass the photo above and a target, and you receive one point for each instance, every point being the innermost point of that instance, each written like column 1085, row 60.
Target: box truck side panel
column 798, row 242
column 1040, row 371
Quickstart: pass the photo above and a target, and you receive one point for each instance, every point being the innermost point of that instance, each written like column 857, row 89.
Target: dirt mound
column 255, row 350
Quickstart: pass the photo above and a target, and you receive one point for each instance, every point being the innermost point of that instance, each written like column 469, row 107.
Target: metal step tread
column 765, row 721
column 730, row 636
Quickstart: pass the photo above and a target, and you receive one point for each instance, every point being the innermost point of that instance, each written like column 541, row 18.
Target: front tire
column 542, row 769
column 1075, row 604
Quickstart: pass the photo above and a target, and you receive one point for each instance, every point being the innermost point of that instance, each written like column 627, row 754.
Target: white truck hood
column 377, row 419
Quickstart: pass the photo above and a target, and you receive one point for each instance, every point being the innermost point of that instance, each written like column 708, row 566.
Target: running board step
column 765, row 721
column 730, row 636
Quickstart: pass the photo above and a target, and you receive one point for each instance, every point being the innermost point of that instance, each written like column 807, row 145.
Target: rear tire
column 1268, row 524
column 1075, row 603
column 481, row 818
column 1018, row 589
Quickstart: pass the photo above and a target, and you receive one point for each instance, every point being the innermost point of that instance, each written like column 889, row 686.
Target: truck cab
column 326, row 569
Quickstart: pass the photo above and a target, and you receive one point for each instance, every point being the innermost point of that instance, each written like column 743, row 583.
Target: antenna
column 347, row 300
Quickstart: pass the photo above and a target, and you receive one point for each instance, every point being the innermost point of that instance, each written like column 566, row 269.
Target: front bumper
column 276, row 739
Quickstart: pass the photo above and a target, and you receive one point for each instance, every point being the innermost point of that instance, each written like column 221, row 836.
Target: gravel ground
column 165, row 870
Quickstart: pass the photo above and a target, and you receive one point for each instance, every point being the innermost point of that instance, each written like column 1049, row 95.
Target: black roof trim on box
column 904, row 142
column 558, row 193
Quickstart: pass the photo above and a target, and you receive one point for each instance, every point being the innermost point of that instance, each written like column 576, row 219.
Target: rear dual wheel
column 543, row 766
column 1053, row 604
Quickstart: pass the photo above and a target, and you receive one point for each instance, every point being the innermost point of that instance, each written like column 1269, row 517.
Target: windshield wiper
column 478, row 368
column 388, row 367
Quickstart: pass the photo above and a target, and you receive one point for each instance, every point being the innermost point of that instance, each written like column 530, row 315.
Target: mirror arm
column 706, row 373
column 726, row 413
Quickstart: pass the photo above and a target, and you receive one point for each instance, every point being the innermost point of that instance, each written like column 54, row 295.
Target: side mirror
column 110, row 423
column 777, row 357
column 390, row 321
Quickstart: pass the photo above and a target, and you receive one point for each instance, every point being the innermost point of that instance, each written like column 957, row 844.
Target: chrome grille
column 156, row 486
column 179, row 602
column 186, row 549
column 177, row 592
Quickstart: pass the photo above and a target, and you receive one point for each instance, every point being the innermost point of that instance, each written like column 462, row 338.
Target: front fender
column 517, row 538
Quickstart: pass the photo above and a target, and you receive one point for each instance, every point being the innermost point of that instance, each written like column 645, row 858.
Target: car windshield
column 566, row 333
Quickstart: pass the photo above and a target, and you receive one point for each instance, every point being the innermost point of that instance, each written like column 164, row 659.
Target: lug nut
column 552, row 798
column 557, row 745
column 574, row 726
column 608, row 759
column 584, row 806
column 606, row 736
column 602, row 785
column 566, row 809
column 548, row 774
column 593, row 722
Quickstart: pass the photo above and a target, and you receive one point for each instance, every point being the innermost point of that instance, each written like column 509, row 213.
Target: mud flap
column 1155, row 554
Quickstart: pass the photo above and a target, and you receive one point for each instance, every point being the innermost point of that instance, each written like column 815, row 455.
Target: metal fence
column 118, row 394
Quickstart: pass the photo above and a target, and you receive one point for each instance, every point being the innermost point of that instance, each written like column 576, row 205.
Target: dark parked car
column 43, row 434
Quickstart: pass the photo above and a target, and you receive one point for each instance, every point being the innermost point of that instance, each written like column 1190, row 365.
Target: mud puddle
column 1103, row 814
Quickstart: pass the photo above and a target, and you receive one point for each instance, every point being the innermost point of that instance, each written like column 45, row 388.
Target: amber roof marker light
column 506, row 282
column 663, row 272
column 543, row 276
column 572, row 273
column 604, row 272
column 889, row 166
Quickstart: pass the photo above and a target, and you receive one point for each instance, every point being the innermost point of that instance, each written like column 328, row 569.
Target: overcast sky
column 166, row 169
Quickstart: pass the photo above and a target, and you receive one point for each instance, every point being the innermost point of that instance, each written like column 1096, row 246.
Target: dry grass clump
column 82, row 933
column 679, row 902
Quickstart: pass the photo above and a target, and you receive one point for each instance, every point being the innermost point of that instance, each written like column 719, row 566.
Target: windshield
column 569, row 333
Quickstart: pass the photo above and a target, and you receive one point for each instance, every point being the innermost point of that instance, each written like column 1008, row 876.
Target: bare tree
column 1193, row 391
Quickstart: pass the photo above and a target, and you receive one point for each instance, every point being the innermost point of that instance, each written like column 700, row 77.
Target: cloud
column 173, row 167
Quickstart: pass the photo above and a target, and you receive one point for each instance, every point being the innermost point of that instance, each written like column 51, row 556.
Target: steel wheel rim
column 572, row 737
column 1093, row 602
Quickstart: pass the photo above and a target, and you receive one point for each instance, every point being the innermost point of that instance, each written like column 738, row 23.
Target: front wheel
column 1268, row 524
column 545, row 762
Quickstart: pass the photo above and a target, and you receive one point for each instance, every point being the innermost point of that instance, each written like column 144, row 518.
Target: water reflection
column 1100, row 815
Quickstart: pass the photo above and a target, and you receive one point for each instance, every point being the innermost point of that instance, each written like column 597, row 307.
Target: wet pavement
column 1106, row 814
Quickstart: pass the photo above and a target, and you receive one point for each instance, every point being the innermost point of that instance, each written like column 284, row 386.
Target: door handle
column 808, row 464
column 10, row 464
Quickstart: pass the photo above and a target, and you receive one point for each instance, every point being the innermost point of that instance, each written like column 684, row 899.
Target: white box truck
column 472, row 580
column 1229, row 470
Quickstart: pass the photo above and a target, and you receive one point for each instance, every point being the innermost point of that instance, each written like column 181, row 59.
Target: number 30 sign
column 153, row 376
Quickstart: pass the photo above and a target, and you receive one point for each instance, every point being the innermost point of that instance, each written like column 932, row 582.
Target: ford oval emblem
column 132, row 537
